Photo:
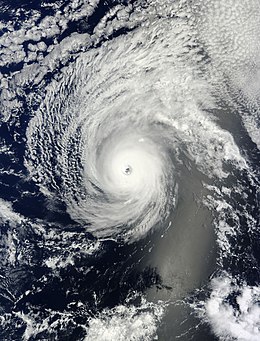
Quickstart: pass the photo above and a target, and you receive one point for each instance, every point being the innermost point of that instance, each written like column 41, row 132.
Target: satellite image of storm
column 129, row 170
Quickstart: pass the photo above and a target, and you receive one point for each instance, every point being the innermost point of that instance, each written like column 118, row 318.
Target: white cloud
column 126, row 323
column 229, row 322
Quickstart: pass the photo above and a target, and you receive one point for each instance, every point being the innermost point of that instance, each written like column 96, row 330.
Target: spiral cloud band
column 119, row 120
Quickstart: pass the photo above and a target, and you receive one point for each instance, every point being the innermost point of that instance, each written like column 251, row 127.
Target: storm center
column 127, row 170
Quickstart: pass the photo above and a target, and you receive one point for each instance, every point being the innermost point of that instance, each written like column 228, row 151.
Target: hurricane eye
column 127, row 170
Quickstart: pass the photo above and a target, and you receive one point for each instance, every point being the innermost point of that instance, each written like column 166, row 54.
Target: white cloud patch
column 126, row 323
column 228, row 322
column 7, row 214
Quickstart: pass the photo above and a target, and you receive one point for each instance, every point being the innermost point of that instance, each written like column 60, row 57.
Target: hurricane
column 130, row 170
